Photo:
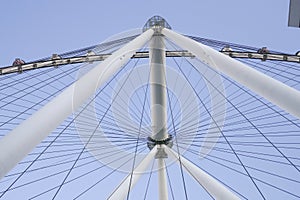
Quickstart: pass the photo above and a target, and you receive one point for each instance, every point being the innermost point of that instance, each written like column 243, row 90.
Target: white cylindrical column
column 157, row 56
column 274, row 91
column 122, row 190
column 19, row 142
column 162, row 179
column 217, row 190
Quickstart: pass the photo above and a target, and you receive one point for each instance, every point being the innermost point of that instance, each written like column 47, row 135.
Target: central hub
column 152, row 142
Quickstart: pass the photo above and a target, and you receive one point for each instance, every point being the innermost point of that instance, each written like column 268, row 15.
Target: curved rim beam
column 283, row 96
column 143, row 54
column 263, row 56
column 216, row 189
column 23, row 139
column 79, row 59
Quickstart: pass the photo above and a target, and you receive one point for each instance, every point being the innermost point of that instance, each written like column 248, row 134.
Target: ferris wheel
column 152, row 114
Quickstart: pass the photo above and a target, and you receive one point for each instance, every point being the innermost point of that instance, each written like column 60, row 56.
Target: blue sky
column 33, row 29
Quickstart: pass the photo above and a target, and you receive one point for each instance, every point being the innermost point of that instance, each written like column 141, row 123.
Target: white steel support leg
column 19, row 142
column 158, row 88
column 162, row 176
column 217, row 190
column 122, row 190
column 274, row 91
column 162, row 180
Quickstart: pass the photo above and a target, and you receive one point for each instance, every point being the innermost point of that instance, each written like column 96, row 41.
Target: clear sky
column 33, row 29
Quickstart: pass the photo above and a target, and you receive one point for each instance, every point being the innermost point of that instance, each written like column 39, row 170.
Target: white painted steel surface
column 122, row 190
column 216, row 189
column 283, row 96
column 162, row 180
column 157, row 56
column 21, row 141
